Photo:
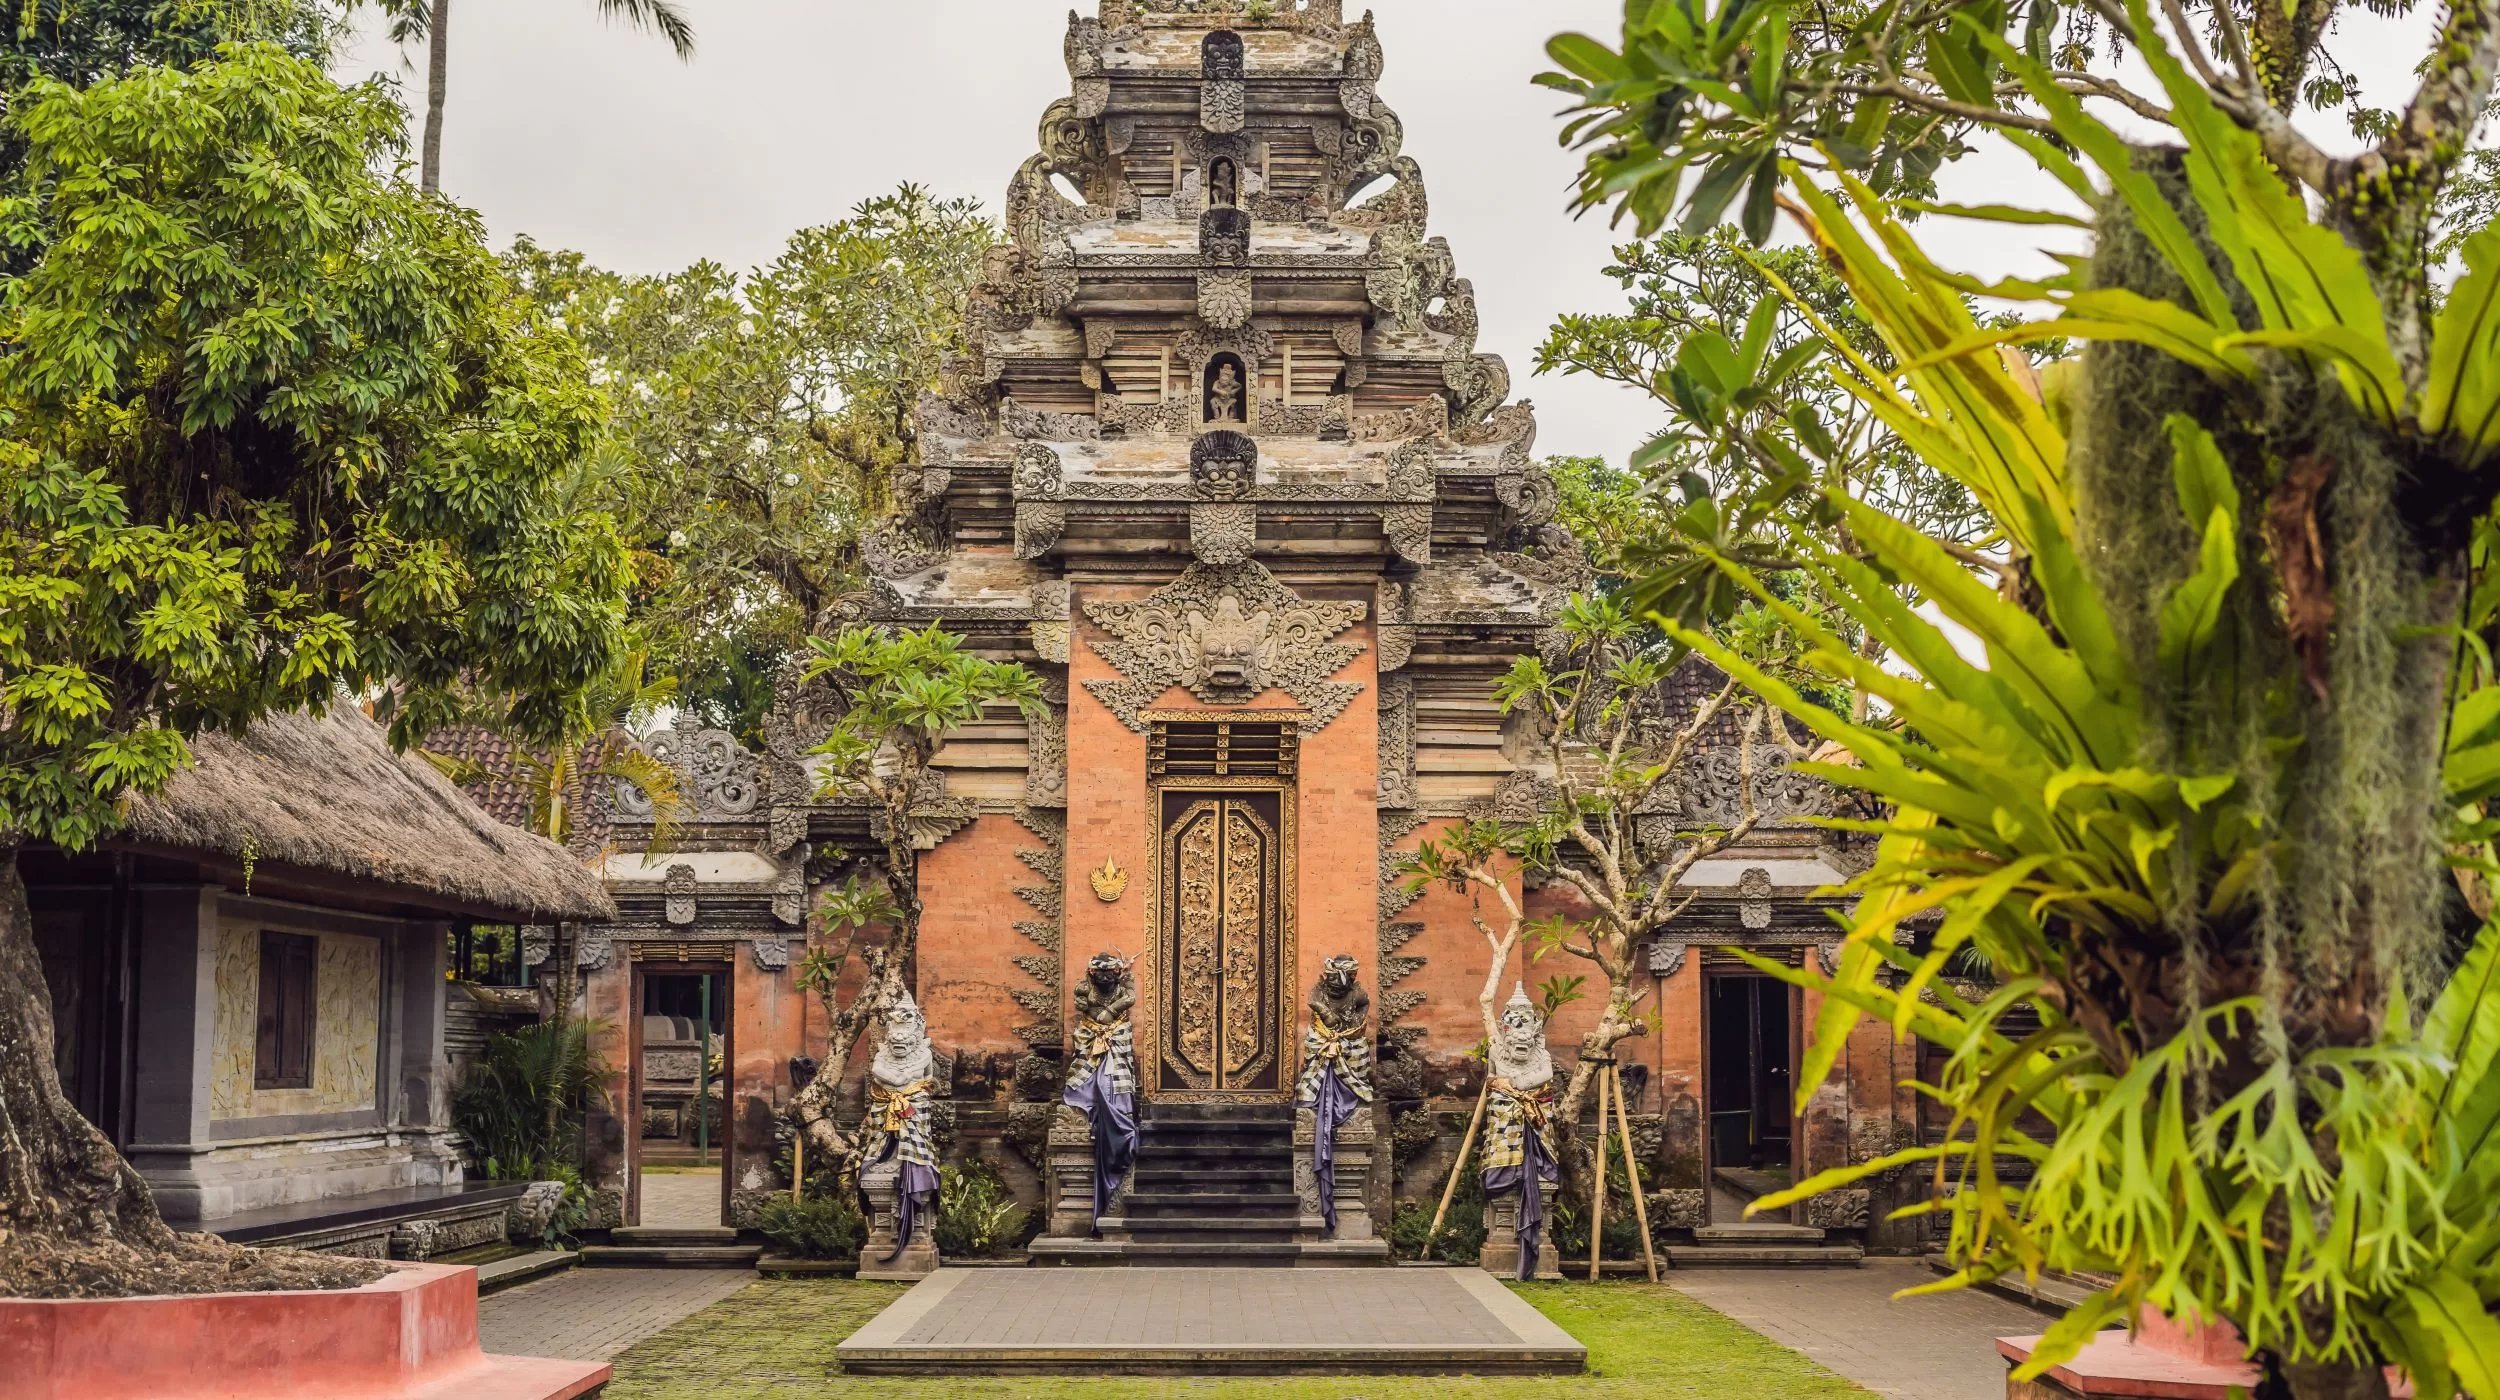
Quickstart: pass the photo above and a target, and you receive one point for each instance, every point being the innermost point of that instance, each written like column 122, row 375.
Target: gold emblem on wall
column 1110, row 882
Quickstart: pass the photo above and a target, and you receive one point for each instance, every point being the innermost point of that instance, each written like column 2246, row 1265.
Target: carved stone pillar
column 1501, row 1239
column 880, row 1184
column 1357, row 1145
column 1069, row 1182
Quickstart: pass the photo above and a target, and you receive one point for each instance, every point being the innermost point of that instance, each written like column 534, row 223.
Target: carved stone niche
column 1223, row 465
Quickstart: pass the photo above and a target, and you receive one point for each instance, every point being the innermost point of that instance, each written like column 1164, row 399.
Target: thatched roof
column 329, row 795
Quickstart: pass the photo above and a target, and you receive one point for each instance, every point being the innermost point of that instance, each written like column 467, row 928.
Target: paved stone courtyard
column 681, row 1199
column 592, row 1314
column 1846, row 1320
column 1940, row 1348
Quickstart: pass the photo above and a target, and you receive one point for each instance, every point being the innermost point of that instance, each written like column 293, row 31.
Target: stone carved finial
column 1223, row 465
column 1227, row 633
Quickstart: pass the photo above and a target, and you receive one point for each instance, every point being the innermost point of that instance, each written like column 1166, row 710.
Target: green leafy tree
column 2213, row 806
column 899, row 693
column 1606, row 728
column 755, row 424
column 277, row 432
column 429, row 22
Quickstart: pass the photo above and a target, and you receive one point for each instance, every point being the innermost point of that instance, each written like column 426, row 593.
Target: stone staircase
column 1213, row 1188
column 671, row 1247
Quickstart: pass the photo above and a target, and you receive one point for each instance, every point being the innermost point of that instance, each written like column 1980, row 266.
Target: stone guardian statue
column 1102, row 1072
column 1519, row 1160
column 1336, row 1069
column 898, row 1153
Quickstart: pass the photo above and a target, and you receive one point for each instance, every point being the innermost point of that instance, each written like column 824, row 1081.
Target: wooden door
column 1222, row 966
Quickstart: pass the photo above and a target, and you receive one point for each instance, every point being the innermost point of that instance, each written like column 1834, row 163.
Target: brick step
column 670, row 1256
column 700, row 1235
column 1764, row 1256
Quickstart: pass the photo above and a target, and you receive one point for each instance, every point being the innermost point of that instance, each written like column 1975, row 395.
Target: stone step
column 1764, row 1256
column 1213, row 1254
column 1229, row 1154
column 673, row 1235
column 1758, row 1232
column 521, row 1268
column 1231, row 1228
column 671, row 1256
column 1213, row 1178
column 1213, row 1202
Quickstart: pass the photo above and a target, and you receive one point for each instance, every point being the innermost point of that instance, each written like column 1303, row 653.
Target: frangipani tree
column 2211, row 802
column 900, row 693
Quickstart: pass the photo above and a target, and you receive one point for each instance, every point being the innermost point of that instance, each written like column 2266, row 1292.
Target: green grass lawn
column 775, row 1342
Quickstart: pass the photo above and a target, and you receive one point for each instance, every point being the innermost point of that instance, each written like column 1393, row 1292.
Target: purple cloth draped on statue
column 914, row 1189
column 1113, row 1117
column 1336, row 1105
column 1529, row 1178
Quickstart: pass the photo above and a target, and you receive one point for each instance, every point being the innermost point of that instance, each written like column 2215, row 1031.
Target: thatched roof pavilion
column 327, row 799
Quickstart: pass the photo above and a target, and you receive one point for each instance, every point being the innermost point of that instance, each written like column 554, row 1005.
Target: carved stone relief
column 1046, row 762
column 677, row 895
column 1223, row 534
column 1039, row 524
column 1409, row 529
column 1224, row 297
column 771, row 954
column 1753, row 895
column 1397, row 742
column 1038, row 472
column 1223, row 105
column 1226, row 633
column 1046, row 900
column 717, row 779
column 1666, row 959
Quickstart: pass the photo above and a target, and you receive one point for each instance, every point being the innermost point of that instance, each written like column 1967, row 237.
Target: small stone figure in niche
column 1336, row 1069
column 1518, row 1120
column 1223, row 183
column 902, row 1085
column 1224, row 393
column 1102, row 1072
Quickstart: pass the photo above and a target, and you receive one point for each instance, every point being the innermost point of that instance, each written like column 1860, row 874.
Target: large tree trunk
column 61, row 1182
column 437, row 66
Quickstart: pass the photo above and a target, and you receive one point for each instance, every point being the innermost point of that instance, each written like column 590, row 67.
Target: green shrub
column 500, row 1107
column 977, row 1217
column 817, row 1227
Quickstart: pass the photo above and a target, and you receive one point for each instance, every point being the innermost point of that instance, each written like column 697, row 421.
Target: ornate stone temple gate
column 1224, row 467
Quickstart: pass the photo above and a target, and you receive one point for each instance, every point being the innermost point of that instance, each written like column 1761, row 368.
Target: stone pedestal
column 1068, row 1182
column 1501, row 1239
column 1357, row 1144
column 880, row 1183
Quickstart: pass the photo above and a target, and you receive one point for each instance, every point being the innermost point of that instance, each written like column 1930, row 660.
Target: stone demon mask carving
column 1227, row 632
column 1223, row 465
column 1519, row 1051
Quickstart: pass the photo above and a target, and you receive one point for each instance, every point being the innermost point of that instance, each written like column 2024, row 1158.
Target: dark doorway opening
column 1749, row 1074
column 682, row 1051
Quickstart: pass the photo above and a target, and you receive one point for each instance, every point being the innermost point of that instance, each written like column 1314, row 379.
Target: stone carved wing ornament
column 1227, row 633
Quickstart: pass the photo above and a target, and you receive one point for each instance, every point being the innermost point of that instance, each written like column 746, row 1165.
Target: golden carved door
column 1222, row 954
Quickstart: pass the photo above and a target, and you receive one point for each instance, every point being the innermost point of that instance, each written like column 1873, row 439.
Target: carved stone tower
column 1223, row 464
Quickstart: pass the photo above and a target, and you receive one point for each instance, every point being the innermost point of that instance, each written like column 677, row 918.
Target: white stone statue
column 898, row 1155
column 1519, row 1161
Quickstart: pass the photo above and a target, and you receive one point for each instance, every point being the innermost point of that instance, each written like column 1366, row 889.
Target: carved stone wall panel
column 1228, row 634
column 1223, row 534
column 1046, row 761
column 1409, row 529
column 1224, row 298
column 1039, row 524
column 1038, row 472
column 1397, row 742
column 1223, row 105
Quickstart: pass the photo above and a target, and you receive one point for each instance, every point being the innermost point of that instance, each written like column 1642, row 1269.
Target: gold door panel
column 1223, row 959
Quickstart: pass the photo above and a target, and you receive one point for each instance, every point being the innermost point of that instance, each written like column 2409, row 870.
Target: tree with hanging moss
column 2212, row 802
column 277, row 433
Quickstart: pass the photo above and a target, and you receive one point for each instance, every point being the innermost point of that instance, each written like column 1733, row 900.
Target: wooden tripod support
column 1619, row 1128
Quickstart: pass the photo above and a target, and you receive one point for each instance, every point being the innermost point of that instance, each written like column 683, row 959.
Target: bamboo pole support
column 798, row 1165
column 1632, row 1171
column 1597, row 1207
column 1466, row 1145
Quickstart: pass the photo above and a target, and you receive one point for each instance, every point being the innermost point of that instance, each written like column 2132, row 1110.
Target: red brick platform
column 409, row 1336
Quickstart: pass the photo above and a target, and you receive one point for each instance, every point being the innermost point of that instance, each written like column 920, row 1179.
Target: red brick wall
column 968, row 937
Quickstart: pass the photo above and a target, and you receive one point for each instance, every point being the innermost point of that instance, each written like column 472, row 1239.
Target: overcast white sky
column 588, row 136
